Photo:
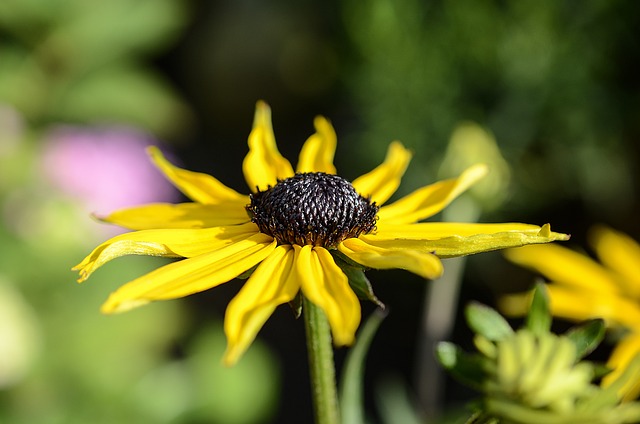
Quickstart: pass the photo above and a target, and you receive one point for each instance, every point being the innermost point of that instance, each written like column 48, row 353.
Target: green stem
column 321, row 365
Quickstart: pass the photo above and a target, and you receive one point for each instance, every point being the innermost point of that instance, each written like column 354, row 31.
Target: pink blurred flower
column 105, row 168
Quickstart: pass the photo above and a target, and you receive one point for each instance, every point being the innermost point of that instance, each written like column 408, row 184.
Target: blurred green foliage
column 552, row 80
column 84, row 61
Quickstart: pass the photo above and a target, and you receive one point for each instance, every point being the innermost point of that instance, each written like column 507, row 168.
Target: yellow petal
column 579, row 305
column 317, row 152
column 620, row 253
column 438, row 230
column 516, row 304
column 365, row 253
column 270, row 285
column 384, row 180
column 166, row 242
column 191, row 275
column 181, row 215
column 324, row 284
column 202, row 188
column 566, row 267
column 625, row 351
column 449, row 239
column 428, row 201
column 264, row 164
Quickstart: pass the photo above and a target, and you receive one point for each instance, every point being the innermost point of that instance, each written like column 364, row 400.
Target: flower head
column 532, row 376
column 539, row 371
column 580, row 288
column 298, row 230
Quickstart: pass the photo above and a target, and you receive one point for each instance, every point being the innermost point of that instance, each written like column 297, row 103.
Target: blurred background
column 546, row 92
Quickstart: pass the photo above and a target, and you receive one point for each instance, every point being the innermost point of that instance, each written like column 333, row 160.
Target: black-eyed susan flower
column 581, row 288
column 289, row 229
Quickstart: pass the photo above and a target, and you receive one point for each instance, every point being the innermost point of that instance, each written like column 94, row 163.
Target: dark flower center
column 312, row 208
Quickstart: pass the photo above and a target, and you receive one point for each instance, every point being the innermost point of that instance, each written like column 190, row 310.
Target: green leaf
column 23, row 85
column 539, row 317
column 465, row 367
column 351, row 391
column 487, row 322
column 357, row 280
column 22, row 17
column 586, row 336
column 123, row 94
column 395, row 402
column 100, row 32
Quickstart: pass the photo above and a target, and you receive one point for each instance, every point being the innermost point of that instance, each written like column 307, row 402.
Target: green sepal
column 586, row 336
column 465, row 367
column 599, row 370
column 247, row 273
column 480, row 417
column 296, row 305
column 538, row 319
column 487, row 322
column 357, row 280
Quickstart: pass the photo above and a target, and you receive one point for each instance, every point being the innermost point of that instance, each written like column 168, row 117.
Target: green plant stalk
column 350, row 390
column 321, row 364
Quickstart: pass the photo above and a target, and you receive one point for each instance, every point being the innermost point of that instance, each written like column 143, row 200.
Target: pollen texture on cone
column 312, row 208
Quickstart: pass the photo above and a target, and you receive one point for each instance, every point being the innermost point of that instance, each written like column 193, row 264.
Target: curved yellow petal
column 447, row 240
column 264, row 165
column 388, row 256
column 578, row 305
column 515, row 304
column 181, row 215
column 620, row 253
column 621, row 357
column 438, row 230
column 199, row 187
column 172, row 243
column 384, row 180
column 429, row 200
column 318, row 151
column 324, row 284
column 191, row 275
column 566, row 267
column 270, row 285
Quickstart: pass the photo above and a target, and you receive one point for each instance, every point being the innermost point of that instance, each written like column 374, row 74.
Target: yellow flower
column 289, row 228
column 581, row 288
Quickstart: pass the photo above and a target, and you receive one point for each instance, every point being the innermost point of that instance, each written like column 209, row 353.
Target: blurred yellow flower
column 581, row 288
column 289, row 230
